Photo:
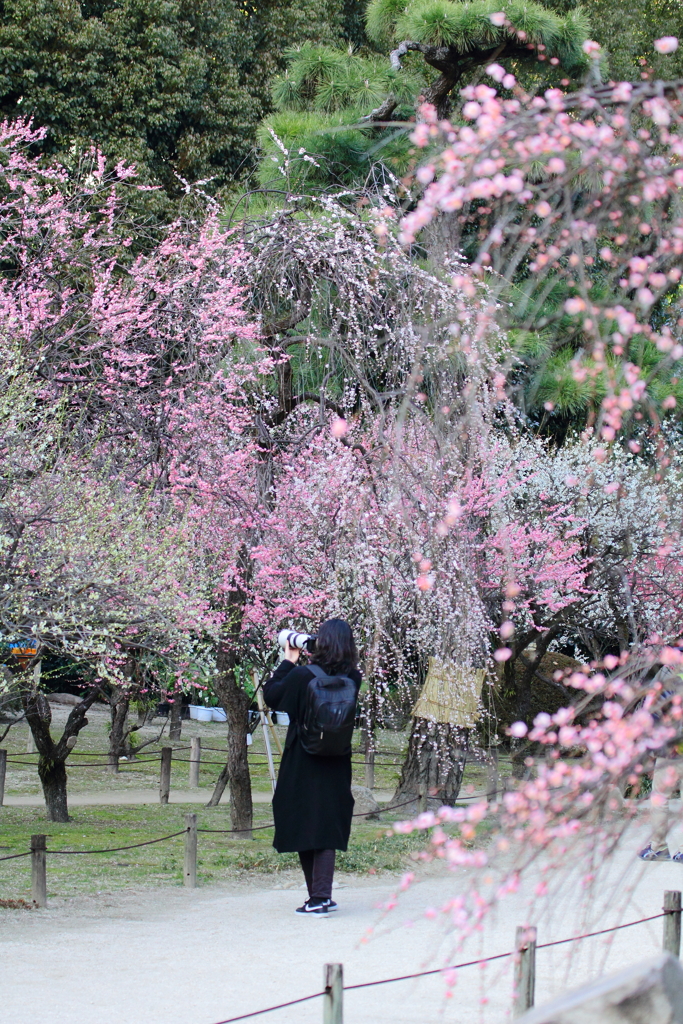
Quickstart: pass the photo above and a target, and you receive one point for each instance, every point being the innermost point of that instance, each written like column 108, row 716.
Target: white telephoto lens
column 282, row 638
column 294, row 639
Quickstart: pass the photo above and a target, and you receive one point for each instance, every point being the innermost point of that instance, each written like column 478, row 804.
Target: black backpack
column 329, row 714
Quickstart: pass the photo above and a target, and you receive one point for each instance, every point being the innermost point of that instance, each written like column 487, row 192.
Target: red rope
column 269, row 1009
column 116, row 849
column 440, row 970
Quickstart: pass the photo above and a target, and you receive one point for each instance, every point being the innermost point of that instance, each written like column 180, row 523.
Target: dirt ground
column 175, row 956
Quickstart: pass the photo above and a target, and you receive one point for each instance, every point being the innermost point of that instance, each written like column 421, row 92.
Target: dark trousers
column 318, row 868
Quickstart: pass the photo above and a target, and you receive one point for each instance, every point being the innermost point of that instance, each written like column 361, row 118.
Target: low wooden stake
column 672, row 923
column 370, row 769
column 3, row 771
column 525, row 971
column 493, row 777
column 333, row 1000
column 190, row 871
column 422, row 800
column 165, row 776
column 195, row 758
column 38, row 871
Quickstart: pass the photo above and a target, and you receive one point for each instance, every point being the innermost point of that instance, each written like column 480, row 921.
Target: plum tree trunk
column 52, row 754
column 236, row 771
column 218, row 790
column 241, row 807
column 235, row 703
column 120, row 703
column 434, row 764
column 52, row 775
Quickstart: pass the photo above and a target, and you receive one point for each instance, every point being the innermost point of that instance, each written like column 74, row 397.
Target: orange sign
column 24, row 654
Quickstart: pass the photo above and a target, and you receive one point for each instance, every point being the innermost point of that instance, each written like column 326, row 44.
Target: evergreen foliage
column 467, row 28
column 176, row 86
column 627, row 32
column 333, row 104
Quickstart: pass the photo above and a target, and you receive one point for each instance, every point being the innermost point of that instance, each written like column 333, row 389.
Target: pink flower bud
column 496, row 72
column 667, row 44
column 574, row 305
column 591, row 48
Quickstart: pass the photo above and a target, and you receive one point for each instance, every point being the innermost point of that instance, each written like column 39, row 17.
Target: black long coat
column 312, row 803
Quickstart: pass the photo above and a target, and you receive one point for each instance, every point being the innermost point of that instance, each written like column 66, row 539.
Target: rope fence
column 132, row 764
column 118, row 849
column 14, row 856
column 39, row 852
column 525, row 947
column 524, row 955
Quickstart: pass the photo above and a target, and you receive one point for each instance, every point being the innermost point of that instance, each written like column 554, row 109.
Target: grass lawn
column 220, row 857
column 85, row 774
column 88, row 773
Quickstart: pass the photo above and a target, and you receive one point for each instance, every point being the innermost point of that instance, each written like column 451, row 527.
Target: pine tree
column 334, row 104
column 175, row 86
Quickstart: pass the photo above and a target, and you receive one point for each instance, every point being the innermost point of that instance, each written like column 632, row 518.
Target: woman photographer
column 312, row 803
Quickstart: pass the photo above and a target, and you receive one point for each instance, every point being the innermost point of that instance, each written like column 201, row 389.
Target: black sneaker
column 331, row 905
column 312, row 906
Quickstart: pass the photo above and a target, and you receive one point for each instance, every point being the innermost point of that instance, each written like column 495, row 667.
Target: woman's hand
column 292, row 653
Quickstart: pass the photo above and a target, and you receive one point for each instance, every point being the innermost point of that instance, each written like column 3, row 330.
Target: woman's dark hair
column 335, row 648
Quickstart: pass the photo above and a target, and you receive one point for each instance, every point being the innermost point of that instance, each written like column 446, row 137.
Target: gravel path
column 177, row 956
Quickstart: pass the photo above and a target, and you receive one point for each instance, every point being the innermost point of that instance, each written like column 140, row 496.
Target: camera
column 302, row 641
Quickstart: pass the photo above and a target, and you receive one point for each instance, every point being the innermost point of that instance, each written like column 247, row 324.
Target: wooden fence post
column 30, row 745
column 422, row 798
column 493, row 777
column 672, row 922
column 195, row 758
column 3, row 770
column 38, row 871
column 190, row 872
column 333, row 1000
column 370, row 769
column 525, row 971
column 165, row 776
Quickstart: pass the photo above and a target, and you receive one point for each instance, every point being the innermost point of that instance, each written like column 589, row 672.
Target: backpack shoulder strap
column 321, row 674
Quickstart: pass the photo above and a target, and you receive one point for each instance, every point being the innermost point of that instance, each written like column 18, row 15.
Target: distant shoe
column 331, row 905
column 649, row 854
column 312, row 906
column 678, row 857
